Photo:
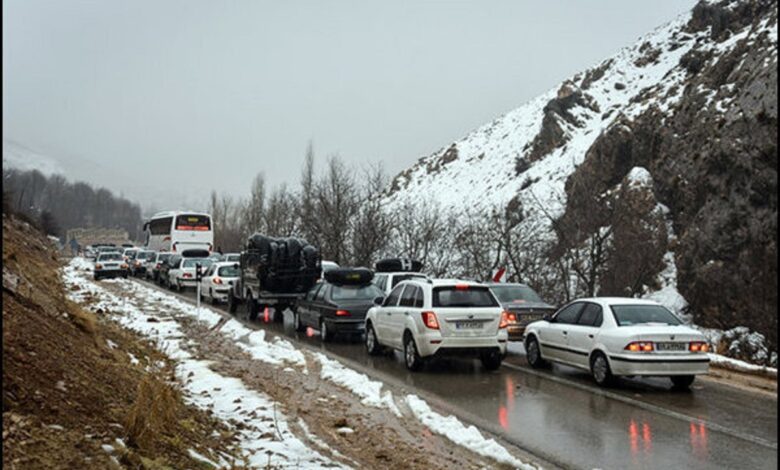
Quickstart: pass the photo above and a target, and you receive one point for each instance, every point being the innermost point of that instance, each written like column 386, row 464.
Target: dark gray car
column 523, row 305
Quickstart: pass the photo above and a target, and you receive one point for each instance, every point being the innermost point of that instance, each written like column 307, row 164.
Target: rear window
column 191, row 262
column 515, row 294
column 628, row 315
column 404, row 277
column 233, row 258
column 110, row 257
column 365, row 292
column 193, row 222
column 228, row 271
column 456, row 297
column 145, row 255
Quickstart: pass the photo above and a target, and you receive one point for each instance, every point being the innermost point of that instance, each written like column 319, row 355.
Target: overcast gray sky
column 159, row 98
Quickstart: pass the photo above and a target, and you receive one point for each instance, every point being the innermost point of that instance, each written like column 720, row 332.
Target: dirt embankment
column 79, row 393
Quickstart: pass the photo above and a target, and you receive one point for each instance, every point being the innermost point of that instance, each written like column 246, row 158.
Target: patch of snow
column 369, row 391
column 743, row 366
column 468, row 437
column 264, row 434
column 197, row 456
column 639, row 176
column 111, row 344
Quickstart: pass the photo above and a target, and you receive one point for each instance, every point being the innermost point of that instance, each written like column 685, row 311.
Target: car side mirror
column 379, row 300
column 235, row 265
column 548, row 318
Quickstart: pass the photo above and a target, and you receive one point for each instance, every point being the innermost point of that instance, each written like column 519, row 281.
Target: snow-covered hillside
column 18, row 156
column 481, row 170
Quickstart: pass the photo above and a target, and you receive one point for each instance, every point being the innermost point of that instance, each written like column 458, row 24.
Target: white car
column 425, row 319
column 216, row 283
column 619, row 336
column 387, row 281
column 129, row 253
column 232, row 257
column 110, row 264
column 184, row 275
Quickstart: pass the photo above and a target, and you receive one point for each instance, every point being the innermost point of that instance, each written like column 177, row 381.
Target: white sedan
column 427, row 319
column 619, row 336
column 216, row 283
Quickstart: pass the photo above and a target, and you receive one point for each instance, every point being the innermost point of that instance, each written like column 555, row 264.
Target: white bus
column 176, row 231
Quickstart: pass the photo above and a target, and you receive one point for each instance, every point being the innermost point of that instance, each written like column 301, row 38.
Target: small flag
column 500, row 275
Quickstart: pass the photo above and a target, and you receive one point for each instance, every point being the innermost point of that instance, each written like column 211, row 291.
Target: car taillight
column 430, row 320
column 342, row 313
column 461, row 287
column 217, row 280
column 157, row 266
column 188, row 275
column 698, row 346
column 504, row 322
column 640, row 346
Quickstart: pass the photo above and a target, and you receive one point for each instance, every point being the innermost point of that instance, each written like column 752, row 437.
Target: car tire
column 252, row 309
column 412, row 358
column 97, row 278
column 124, row 275
column 325, row 333
column 212, row 298
column 533, row 353
column 297, row 324
column 232, row 302
column 682, row 382
column 492, row 360
column 373, row 348
column 600, row 370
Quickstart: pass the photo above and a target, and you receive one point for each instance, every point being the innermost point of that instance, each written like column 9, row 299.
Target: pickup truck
column 273, row 272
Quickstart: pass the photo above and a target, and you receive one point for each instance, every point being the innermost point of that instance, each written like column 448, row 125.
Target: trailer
column 273, row 273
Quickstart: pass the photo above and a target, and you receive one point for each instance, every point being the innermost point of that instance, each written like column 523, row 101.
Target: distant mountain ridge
column 692, row 107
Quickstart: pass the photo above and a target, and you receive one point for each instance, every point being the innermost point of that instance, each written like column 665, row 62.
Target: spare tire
column 388, row 265
column 349, row 276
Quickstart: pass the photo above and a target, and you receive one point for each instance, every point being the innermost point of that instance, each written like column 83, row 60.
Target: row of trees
column 341, row 210
column 59, row 205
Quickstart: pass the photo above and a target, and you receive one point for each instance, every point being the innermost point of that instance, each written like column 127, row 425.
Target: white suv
column 442, row 317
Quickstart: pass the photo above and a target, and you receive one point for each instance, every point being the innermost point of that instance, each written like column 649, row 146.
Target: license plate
column 671, row 346
column 468, row 325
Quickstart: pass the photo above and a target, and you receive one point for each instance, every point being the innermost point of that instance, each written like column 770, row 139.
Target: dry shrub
column 84, row 319
column 153, row 412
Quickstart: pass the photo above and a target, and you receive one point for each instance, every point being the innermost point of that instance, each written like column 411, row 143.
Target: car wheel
column 211, row 296
column 412, row 358
column 297, row 324
column 599, row 368
column 325, row 333
column 124, row 275
column 534, row 353
column 97, row 278
column 373, row 348
column 232, row 302
column 682, row 382
column 491, row 360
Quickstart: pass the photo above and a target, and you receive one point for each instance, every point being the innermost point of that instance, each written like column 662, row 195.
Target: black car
column 339, row 303
column 523, row 305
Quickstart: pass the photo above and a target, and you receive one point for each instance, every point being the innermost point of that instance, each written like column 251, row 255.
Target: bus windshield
column 193, row 222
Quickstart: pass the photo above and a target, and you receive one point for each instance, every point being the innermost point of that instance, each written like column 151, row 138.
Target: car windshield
column 404, row 277
column 191, row 262
column 515, row 294
column 628, row 315
column 233, row 258
column 110, row 257
column 145, row 255
column 228, row 271
column 454, row 296
column 364, row 292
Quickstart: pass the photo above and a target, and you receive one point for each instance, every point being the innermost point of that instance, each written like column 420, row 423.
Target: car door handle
column 590, row 336
column 406, row 313
column 564, row 332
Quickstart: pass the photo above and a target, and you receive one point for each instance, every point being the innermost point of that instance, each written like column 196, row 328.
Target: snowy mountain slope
column 693, row 106
column 18, row 156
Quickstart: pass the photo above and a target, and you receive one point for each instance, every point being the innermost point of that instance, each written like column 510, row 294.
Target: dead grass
column 153, row 413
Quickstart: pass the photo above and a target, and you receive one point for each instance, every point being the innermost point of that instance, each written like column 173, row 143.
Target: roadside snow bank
column 262, row 430
column 468, row 437
column 369, row 391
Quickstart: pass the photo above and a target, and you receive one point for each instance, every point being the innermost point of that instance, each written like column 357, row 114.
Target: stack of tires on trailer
column 281, row 265
column 274, row 272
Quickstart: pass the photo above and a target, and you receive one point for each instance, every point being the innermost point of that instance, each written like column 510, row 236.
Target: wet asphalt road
column 560, row 416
